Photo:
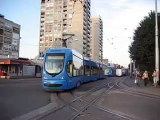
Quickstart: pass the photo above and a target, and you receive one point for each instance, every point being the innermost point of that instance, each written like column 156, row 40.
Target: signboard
column 28, row 70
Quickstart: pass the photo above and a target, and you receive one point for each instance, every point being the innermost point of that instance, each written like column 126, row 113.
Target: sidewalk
column 22, row 78
column 129, row 82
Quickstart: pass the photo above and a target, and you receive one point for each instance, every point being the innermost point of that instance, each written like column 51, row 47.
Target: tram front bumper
column 54, row 85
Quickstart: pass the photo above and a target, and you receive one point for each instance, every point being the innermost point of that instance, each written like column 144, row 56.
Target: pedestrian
column 145, row 77
column 137, row 77
column 155, row 81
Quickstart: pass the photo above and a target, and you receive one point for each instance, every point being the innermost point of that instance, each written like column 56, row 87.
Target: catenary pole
column 130, row 67
column 156, row 41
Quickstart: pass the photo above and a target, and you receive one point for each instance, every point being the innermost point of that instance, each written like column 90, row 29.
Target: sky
column 120, row 19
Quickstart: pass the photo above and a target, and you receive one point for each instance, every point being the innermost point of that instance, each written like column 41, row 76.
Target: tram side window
column 103, row 70
column 77, row 66
column 87, row 70
column 100, row 70
column 94, row 70
column 69, row 68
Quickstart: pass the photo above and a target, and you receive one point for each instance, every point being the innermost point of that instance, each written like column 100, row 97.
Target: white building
column 9, row 38
column 97, row 38
column 60, row 19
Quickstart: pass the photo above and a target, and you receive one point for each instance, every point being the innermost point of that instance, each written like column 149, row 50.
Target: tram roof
column 64, row 50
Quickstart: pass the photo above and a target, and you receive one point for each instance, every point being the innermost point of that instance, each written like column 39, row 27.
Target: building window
column 16, row 30
column 50, row 38
column 43, row 1
column 1, row 39
column 7, row 34
column 7, row 40
column 1, row 31
column 41, row 39
column 1, row 46
column 14, row 48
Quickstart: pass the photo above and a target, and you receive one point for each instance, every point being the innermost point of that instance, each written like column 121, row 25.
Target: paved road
column 136, row 103
column 18, row 97
column 119, row 99
column 117, row 103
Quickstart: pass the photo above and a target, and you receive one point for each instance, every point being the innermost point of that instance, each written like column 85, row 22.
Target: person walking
column 145, row 77
column 137, row 77
column 155, row 81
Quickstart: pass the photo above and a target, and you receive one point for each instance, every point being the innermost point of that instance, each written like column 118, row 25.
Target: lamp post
column 64, row 40
column 70, row 42
column 130, row 67
column 156, row 42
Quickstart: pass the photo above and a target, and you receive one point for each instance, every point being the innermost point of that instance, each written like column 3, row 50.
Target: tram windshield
column 108, row 71
column 54, row 63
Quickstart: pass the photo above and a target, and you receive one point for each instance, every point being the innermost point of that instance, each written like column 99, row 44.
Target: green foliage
column 142, row 48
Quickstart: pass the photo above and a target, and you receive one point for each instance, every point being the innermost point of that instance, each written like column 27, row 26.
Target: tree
column 142, row 49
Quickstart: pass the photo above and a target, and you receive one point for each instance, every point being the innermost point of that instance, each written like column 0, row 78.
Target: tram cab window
column 69, row 68
column 77, row 66
column 54, row 63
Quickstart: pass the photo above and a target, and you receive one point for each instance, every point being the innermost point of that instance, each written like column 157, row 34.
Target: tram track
column 76, row 99
column 65, row 102
column 110, row 111
column 91, row 103
column 87, row 100
column 120, row 115
column 90, row 94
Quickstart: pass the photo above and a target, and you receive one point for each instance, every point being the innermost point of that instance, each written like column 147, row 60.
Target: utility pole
column 134, row 67
column 130, row 67
column 156, row 42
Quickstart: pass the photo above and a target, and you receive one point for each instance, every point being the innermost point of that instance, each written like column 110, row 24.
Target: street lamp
column 64, row 40
column 156, row 42
column 70, row 42
column 130, row 67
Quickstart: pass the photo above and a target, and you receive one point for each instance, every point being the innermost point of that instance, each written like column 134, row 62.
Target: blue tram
column 65, row 68
column 110, row 71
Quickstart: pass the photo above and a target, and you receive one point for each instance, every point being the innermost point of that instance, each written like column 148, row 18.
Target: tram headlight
column 45, row 81
column 44, row 77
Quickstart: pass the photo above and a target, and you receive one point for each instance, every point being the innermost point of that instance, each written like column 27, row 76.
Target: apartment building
column 9, row 38
column 105, row 61
column 65, row 21
column 97, row 38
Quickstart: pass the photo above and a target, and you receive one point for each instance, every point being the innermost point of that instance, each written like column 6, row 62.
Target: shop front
column 18, row 68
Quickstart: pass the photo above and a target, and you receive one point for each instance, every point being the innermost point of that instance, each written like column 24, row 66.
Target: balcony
column 65, row 10
column 1, row 39
column 65, row 17
column 64, row 5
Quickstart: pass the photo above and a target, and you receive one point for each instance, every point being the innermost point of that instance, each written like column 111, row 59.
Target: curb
column 40, row 112
column 36, row 113
column 18, row 79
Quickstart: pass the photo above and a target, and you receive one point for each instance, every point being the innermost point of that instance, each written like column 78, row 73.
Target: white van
column 119, row 72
